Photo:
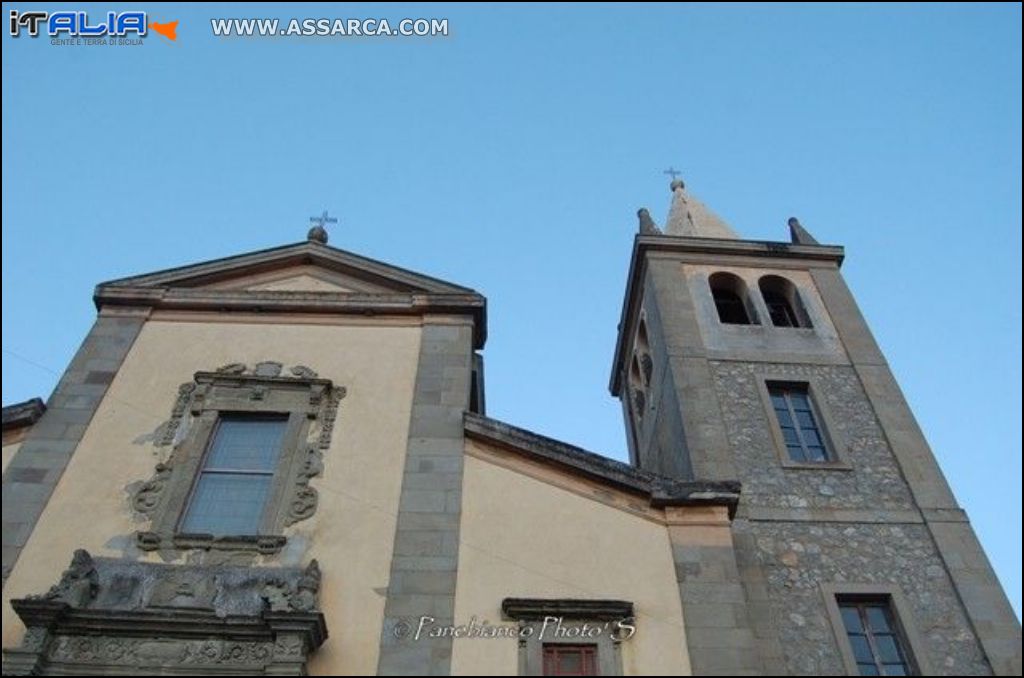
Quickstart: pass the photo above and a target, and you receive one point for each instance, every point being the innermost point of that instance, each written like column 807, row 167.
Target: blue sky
column 511, row 157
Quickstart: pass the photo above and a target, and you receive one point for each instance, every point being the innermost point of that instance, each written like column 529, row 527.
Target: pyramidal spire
column 690, row 217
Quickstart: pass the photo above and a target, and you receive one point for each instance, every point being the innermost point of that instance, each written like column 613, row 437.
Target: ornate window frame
column 311, row 405
column 570, row 622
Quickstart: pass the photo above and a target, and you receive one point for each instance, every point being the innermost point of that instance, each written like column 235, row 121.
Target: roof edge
column 660, row 491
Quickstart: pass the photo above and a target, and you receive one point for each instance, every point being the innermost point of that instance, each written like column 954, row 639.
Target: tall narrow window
column 783, row 302
column 231, row 492
column 874, row 636
column 570, row 660
column 730, row 295
column 801, row 431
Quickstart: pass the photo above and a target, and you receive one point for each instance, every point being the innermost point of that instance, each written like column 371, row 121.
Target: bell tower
column 750, row 360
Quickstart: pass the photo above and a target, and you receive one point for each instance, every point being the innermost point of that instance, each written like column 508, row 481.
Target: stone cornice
column 536, row 609
column 660, row 491
column 266, row 301
column 23, row 414
column 719, row 249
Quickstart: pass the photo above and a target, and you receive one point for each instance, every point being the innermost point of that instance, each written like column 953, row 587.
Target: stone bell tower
column 749, row 360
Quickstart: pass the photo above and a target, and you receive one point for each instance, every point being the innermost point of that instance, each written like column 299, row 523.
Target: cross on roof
column 323, row 220
column 672, row 172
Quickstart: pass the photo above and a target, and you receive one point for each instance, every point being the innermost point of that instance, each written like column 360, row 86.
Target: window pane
column 878, row 619
column 227, row 504
column 888, row 652
column 570, row 661
column 790, row 436
column 816, row 454
column 784, row 419
column 796, row 453
column 805, row 420
column 895, row 669
column 811, row 438
column 851, row 620
column 246, row 444
column 778, row 399
column 799, row 400
column 867, row 669
column 861, row 649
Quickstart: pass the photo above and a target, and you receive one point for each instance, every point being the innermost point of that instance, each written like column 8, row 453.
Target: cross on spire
column 672, row 172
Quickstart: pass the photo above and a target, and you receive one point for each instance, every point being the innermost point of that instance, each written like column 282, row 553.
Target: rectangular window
column 234, row 483
column 801, row 432
column 570, row 660
column 874, row 637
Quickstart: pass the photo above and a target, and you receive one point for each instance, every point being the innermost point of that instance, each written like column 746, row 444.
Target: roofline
column 659, row 490
column 23, row 414
column 642, row 244
column 269, row 255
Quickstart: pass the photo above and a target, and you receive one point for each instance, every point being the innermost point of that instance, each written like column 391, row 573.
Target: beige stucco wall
column 522, row 537
column 8, row 453
column 353, row 530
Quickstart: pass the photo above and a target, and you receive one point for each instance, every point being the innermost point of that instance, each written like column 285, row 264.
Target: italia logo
column 80, row 25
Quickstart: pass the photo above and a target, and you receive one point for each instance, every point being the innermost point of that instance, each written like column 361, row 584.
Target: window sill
column 263, row 543
column 816, row 466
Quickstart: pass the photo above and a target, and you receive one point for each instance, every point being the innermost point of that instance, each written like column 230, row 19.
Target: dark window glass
column 570, row 660
column 779, row 310
column 783, row 301
column 874, row 639
column 800, row 430
column 730, row 307
column 234, row 483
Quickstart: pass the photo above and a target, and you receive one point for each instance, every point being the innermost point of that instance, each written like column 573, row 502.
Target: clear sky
column 511, row 157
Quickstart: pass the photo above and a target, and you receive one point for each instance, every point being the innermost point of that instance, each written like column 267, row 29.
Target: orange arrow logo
column 168, row 30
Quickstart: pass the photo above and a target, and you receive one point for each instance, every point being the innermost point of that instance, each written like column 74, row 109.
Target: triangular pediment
column 303, row 267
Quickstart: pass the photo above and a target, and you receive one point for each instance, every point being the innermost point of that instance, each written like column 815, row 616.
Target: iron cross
column 323, row 220
column 672, row 172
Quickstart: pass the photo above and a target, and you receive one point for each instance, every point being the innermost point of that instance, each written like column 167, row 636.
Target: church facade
column 280, row 463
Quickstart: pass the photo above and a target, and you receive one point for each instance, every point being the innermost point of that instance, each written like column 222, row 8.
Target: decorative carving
column 647, row 366
column 180, row 406
column 162, row 497
column 307, row 589
column 35, row 638
column 199, row 398
column 303, row 504
column 166, row 652
column 303, row 372
column 147, row 496
column 289, row 646
column 202, row 619
column 78, row 584
column 268, row 368
column 148, row 541
column 329, row 415
column 280, row 597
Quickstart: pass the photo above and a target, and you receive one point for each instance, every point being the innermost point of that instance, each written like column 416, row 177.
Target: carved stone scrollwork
column 647, row 366
column 170, row 429
column 265, row 387
column 188, row 622
column 329, row 415
column 147, row 497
